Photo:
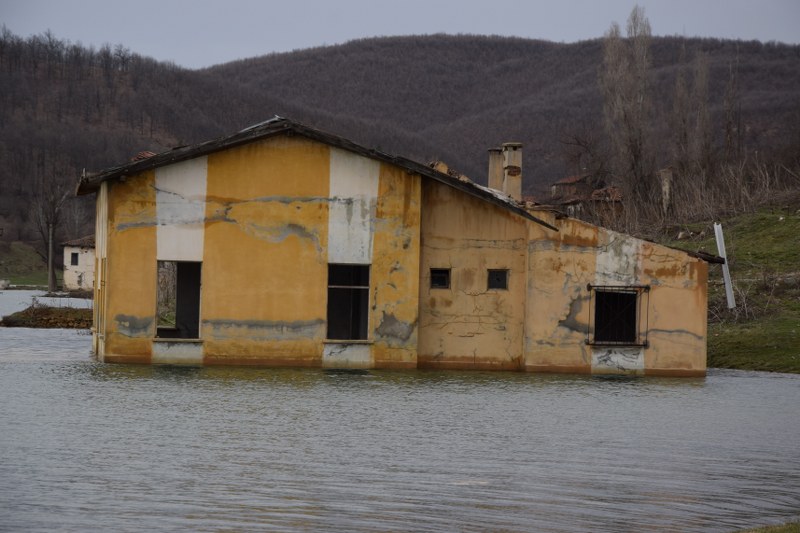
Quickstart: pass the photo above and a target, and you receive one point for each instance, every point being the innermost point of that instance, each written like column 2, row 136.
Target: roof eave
column 278, row 126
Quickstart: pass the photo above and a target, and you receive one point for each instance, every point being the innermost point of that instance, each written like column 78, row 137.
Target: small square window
column 498, row 279
column 440, row 278
column 73, row 260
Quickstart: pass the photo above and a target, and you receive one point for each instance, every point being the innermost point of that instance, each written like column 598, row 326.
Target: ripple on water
column 89, row 446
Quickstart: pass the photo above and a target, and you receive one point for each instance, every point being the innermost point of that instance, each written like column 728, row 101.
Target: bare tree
column 626, row 105
column 702, row 140
column 680, row 122
column 49, row 198
column 733, row 113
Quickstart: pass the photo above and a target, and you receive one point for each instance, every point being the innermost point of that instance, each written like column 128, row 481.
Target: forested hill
column 64, row 107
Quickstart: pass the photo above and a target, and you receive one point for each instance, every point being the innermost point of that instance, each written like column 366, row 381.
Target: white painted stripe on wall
column 354, row 194
column 347, row 356
column 177, row 353
column 618, row 261
column 180, row 210
column 617, row 359
column 618, row 264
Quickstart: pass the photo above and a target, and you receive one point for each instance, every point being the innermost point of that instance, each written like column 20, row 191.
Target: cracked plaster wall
column 469, row 325
column 260, row 217
column 130, row 269
column 80, row 276
column 558, row 311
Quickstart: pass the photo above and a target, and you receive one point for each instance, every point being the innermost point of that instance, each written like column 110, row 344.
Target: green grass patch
column 21, row 265
column 763, row 332
column 793, row 527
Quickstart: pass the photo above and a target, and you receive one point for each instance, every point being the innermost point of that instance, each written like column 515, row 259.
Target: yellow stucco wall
column 394, row 305
column 561, row 265
column 469, row 325
column 678, row 324
column 131, row 270
column 265, row 260
column 267, row 240
column 264, row 266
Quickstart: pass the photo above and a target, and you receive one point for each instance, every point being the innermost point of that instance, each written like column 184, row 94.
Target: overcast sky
column 196, row 34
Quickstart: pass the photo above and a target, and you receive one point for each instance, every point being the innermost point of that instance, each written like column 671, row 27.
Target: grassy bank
column 793, row 527
column 21, row 265
column 763, row 331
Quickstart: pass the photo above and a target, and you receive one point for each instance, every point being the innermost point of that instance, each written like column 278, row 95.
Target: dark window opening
column 618, row 315
column 348, row 301
column 73, row 259
column 498, row 279
column 440, row 278
column 178, row 300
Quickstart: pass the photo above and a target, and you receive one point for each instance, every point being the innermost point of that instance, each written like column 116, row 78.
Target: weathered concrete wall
column 265, row 252
column 180, row 210
column 99, row 317
column 562, row 265
column 469, row 325
column 678, row 323
column 131, row 270
column 394, row 309
column 80, row 276
column 265, row 219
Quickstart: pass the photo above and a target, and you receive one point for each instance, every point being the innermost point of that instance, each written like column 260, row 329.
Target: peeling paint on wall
column 617, row 360
column 134, row 326
column 347, row 356
column 354, row 192
column 180, row 210
column 392, row 329
column 264, row 330
column 266, row 219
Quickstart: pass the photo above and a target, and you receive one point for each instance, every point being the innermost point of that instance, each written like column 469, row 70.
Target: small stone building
column 286, row 245
column 79, row 264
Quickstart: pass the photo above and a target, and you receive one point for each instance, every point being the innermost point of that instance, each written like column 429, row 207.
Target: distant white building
column 79, row 264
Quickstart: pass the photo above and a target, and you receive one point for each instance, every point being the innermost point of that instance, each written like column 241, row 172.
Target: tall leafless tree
column 626, row 104
column 49, row 198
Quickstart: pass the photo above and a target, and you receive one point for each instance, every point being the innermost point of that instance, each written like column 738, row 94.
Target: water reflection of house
column 79, row 264
column 588, row 197
column 291, row 246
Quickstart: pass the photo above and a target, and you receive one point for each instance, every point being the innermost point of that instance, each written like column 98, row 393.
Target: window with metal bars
column 619, row 315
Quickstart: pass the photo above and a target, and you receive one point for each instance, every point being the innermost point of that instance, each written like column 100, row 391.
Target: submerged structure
column 79, row 264
column 286, row 245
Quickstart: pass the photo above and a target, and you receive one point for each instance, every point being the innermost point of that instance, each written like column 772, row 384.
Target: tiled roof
column 83, row 242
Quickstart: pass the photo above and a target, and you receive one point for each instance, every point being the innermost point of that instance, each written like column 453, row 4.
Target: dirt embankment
column 38, row 316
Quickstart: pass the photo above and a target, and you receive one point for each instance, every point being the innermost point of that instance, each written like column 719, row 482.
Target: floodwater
column 94, row 447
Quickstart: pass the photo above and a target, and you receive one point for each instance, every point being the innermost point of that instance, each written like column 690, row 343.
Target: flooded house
column 79, row 264
column 283, row 245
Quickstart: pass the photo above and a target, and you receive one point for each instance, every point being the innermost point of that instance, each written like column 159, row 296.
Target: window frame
column 446, row 271
column 74, row 258
column 361, row 321
column 185, row 286
column 507, row 276
column 641, row 315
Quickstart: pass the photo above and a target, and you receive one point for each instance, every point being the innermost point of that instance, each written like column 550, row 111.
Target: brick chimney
column 496, row 168
column 512, row 170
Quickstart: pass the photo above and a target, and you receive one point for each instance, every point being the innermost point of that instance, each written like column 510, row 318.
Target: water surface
column 94, row 447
